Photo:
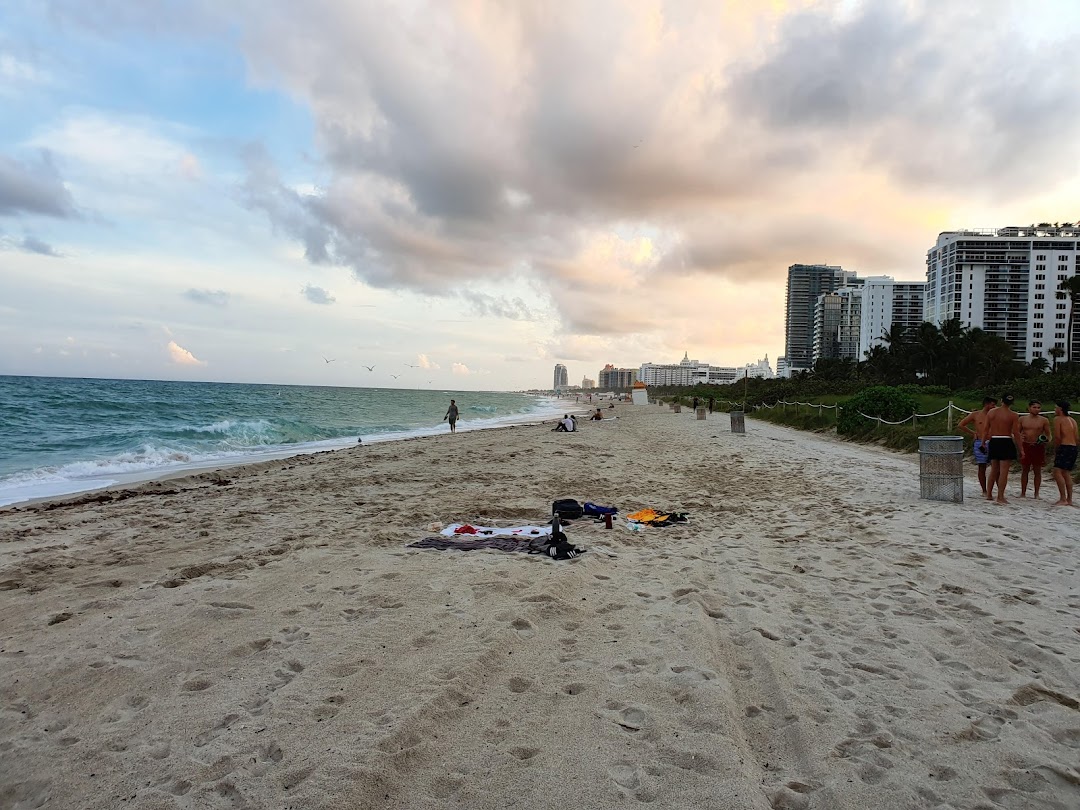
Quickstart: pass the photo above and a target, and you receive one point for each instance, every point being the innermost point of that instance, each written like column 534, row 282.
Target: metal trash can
column 941, row 468
column 738, row 422
column 701, row 413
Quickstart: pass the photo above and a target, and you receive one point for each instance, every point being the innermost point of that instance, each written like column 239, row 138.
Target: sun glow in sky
column 238, row 191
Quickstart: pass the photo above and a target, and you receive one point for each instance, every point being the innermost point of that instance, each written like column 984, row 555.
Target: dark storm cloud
column 214, row 298
column 33, row 187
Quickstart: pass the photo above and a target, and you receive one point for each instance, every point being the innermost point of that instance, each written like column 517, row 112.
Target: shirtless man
column 1035, row 433
column 1065, row 435
column 1003, row 428
column 981, row 447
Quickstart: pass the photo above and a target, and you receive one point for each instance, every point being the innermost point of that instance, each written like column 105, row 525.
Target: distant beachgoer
column 711, row 401
column 451, row 416
column 1035, row 433
column 1003, row 427
column 695, row 404
column 981, row 447
column 597, row 417
column 1065, row 437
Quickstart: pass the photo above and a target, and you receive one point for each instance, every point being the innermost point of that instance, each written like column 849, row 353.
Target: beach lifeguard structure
column 640, row 394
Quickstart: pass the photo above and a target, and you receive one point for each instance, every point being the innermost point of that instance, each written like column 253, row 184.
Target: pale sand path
column 816, row 638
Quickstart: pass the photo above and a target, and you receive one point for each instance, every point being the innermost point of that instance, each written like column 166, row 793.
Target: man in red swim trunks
column 1034, row 434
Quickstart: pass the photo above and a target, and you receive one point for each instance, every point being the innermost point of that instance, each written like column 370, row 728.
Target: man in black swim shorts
column 1003, row 427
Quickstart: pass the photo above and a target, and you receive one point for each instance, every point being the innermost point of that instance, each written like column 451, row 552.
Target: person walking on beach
column 1003, row 428
column 711, row 402
column 981, row 447
column 451, row 416
column 1035, row 433
column 1065, row 437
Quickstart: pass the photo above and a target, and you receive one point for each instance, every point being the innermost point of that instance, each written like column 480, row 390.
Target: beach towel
column 654, row 517
column 456, row 529
column 559, row 549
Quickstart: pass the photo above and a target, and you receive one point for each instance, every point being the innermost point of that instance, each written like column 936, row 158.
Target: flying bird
column 330, row 360
column 370, row 368
column 410, row 365
column 395, row 376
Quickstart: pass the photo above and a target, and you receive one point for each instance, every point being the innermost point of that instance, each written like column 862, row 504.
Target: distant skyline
column 463, row 194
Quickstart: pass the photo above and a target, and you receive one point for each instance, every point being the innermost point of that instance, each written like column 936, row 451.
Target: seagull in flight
column 395, row 376
column 331, row 360
column 370, row 368
column 410, row 365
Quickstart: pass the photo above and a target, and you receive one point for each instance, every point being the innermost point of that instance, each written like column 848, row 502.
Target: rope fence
column 822, row 407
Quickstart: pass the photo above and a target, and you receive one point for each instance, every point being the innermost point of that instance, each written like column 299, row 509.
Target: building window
column 1040, row 278
column 1038, row 306
column 1039, row 296
column 1040, row 257
column 1037, row 344
column 1040, row 286
column 1040, row 267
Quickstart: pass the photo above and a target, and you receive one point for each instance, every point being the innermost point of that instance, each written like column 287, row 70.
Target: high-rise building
column 1005, row 281
column 837, row 317
column 586, row 383
column 611, row 378
column 886, row 302
column 562, row 378
column 806, row 282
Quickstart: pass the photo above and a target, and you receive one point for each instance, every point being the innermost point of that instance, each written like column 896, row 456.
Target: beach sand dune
column 815, row 637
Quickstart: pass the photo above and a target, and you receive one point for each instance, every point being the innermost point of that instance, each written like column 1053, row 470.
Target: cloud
column 31, row 244
column 459, row 368
column 424, row 361
column 214, row 298
column 182, row 357
column 317, row 295
column 33, row 187
column 492, row 306
column 933, row 94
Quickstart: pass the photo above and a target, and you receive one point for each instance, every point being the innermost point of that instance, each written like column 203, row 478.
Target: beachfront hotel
column 837, row 319
column 694, row 372
column 1005, row 281
column 611, row 378
column 885, row 302
column 805, row 284
column 562, row 378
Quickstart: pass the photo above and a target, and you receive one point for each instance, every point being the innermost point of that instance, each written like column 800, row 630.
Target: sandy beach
column 815, row 637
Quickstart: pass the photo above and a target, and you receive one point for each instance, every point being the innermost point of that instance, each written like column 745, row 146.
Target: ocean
column 59, row 436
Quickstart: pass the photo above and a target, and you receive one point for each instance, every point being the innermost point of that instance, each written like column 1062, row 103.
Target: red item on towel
column 466, row 529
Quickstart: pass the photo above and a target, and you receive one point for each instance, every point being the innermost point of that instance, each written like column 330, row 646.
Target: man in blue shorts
column 981, row 448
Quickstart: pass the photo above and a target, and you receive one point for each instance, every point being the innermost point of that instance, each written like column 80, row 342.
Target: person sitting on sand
column 1035, row 433
column 981, row 448
column 597, row 417
column 565, row 425
column 1065, row 437
column 1003, row 427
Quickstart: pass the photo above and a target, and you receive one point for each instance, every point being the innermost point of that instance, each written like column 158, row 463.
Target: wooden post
column 949, row 410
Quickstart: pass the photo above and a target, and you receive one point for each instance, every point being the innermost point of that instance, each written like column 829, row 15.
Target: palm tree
column 1039, row 365
column 1070, row 288
column 1057, row 353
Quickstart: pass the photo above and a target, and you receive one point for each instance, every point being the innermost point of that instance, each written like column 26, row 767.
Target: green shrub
column 886, row 402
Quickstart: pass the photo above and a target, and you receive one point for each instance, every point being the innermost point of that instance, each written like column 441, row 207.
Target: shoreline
column 815, row 637
column 184, row 470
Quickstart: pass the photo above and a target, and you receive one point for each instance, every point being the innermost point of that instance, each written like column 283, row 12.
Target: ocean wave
column 483, row 408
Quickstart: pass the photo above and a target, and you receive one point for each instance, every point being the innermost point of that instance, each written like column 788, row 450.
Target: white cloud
column 182, row 357
column 460, row 368
column 424, row 361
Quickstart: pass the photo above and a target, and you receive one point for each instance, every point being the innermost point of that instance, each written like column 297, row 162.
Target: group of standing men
column 1003, row 436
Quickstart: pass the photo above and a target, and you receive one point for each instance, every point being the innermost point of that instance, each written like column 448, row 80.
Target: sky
column 462, row 193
